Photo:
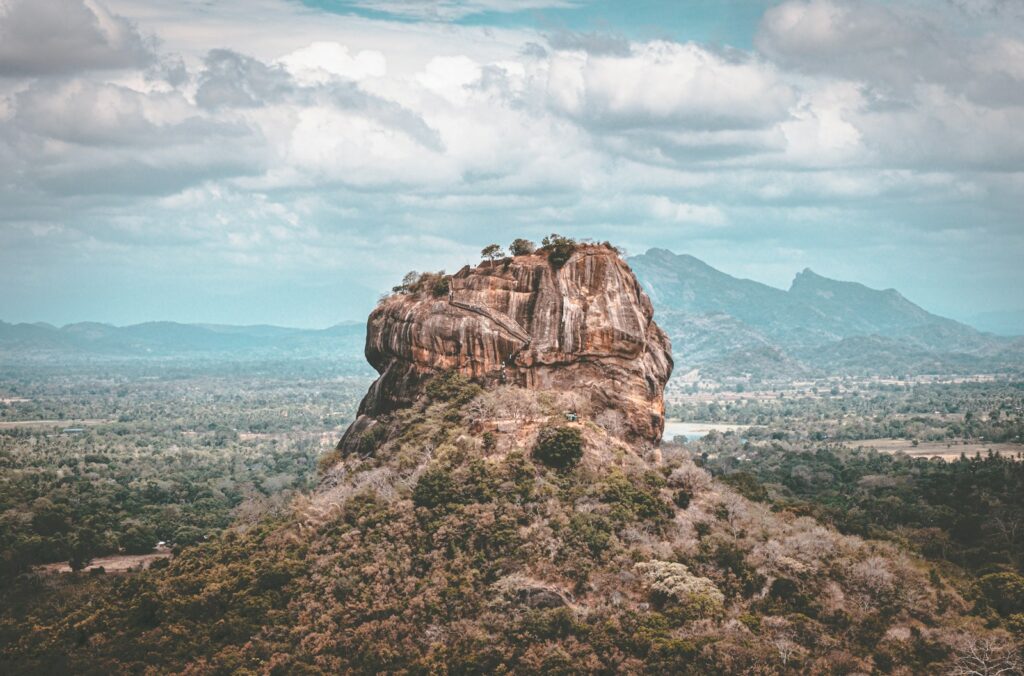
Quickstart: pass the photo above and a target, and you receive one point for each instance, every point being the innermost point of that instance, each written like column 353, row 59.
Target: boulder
column 584, row 326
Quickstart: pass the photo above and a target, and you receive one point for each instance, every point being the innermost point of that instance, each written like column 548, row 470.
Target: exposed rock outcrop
column 585, row 326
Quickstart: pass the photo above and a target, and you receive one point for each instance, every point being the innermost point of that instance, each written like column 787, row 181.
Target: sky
column 287, row 161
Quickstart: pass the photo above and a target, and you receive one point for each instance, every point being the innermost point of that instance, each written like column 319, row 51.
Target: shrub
column 784, row 595
column 632, row 501
column 682, row 498
column 436, row 488
column 672, row 656
column 742, row 578
column 328, row 460
column 452, row 387
column 370, row 439
column 418, row 282
column 441, row 286
column 1015, row 623
column 674, row 587
column 591, row 533
column 691, row 478
column 1004, row 591
column 747, row 485
column 408, row 284
column 559, row 447
column 751, row 622
column 521, row 247
column 783, row 588
column 559, row 249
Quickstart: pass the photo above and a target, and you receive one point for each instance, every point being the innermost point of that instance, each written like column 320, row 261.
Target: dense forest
column 969, row 512
column 446, row 549
column 853, row 410
column 111, row 461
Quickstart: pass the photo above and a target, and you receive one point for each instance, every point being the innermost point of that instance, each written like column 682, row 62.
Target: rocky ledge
column 538, row 321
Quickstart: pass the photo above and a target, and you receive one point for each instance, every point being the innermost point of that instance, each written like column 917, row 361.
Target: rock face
column 585, row 326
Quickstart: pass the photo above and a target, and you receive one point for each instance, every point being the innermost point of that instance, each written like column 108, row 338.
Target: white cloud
column 89, row 113
column 699, row 214
column 894, row 47
column 668, row 84
column 900, row 85
column 821, row 132
column 335, row 145
column 322, row 61
column 852, row 38
column 56, row 37
column 450, row 77
column 303, row 139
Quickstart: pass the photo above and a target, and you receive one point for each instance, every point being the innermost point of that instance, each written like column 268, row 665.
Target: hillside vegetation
column 174, row 457
column 448, row 546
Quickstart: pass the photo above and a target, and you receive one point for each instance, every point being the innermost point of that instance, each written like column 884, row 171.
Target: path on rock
column 499, row 318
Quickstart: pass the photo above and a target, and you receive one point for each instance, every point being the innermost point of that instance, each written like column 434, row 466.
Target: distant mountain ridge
column 720, row 324
column 726, row 325
column 171, row 339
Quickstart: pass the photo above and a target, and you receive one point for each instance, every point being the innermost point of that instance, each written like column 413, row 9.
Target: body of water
column 696, row 430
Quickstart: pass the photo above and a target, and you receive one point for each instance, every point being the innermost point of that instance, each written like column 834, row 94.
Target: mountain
column 170, row 340
column 729, row 326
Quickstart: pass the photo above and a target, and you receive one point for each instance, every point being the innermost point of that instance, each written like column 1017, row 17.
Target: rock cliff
column 584, row 326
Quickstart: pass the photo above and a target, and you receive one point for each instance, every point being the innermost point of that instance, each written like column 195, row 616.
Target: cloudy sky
column 278, row 161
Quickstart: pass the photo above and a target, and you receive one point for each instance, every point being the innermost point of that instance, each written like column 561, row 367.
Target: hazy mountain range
column 727, row 325
column 173, row 340
column 718, row 323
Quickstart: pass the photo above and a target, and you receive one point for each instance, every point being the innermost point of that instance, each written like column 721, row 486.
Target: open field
column 687, row 389
column 17, row 424
column 696, row 430
column 941, row 449
column 121, row 563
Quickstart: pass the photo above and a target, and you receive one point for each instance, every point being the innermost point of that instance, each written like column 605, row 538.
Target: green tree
column 83, row 548
column 559, row 248
column 559, row 447
column 492, row 252
column 409, row 282
column 435, row 489
column 521, row 247
column 1004, row 592
column 441, row 285
column 138, row 539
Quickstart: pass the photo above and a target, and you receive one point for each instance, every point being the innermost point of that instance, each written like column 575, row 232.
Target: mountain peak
column 815, row 312
column 672, row 258
column 656, row 252
column 808, row 279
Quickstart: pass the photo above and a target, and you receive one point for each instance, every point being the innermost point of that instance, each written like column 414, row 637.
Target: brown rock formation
column 585, row 326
